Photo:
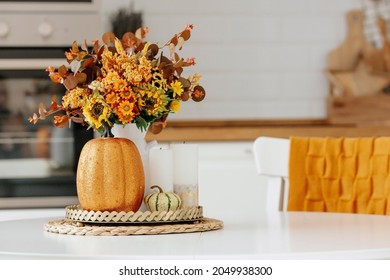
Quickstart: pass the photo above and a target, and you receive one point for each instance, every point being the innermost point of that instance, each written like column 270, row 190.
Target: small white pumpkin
column 162, row 201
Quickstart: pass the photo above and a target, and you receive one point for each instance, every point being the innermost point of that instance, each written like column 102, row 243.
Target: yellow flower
column 96, row 111
column 74, row 98
column 111, row 78
column 177, row 88
column 151, row 100
column 175, row 105
column 158, row 80
column 119, row 84
column 125, row 112
column 127, row 93
column 112, row 98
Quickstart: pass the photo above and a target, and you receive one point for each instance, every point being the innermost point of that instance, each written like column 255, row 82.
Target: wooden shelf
column 248, row 130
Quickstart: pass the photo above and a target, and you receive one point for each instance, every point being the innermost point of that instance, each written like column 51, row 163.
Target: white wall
column 259, row 59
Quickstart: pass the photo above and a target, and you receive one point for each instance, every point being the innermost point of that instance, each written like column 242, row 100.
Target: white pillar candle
column 161, row 168
column 185, row 173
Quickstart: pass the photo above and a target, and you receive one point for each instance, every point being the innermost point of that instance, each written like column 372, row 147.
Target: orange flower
column 112, row 98
column 127, row 93
column 125, row 108
column 119, row 84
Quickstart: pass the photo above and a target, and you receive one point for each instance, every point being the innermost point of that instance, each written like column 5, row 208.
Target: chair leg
column 275, row 194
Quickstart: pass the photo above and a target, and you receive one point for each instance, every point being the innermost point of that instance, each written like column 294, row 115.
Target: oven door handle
column 30, row 63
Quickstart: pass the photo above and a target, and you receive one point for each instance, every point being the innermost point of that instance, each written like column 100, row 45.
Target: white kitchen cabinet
column 227, row 176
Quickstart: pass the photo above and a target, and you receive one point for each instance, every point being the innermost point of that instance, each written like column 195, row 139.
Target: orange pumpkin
column 110, row 175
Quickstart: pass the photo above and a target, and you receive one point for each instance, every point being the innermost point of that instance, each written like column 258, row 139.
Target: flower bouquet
column 122, row 81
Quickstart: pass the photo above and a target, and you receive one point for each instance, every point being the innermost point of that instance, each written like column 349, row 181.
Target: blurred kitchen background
column 263, row 67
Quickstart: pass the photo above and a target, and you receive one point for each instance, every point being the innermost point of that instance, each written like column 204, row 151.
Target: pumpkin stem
column 159, row 188
column 107, row 130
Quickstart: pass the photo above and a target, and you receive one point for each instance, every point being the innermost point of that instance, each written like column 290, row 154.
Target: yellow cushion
column 349, row 175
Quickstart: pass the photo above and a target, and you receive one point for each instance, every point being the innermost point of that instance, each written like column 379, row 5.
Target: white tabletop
column 291, row 235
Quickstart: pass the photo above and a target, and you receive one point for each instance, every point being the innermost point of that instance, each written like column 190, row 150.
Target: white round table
column 281, row 235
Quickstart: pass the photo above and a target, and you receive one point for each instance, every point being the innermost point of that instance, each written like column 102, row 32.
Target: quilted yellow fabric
column 348, row 175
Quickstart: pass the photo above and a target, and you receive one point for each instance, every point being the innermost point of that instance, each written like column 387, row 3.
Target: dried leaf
column 177, row 57
column 185, row 96
column 153, row 49
column 140, row 33
column 56, row 78
column 179, row 70
column 70, row 82
column 63, row 71
column 185, row 82
column 95, row 46
column 186, row 34
column 173, row 40
column 84, row 46
column 129, row 40
column 172, row 48
column 77, row 119
column 81, row 77
column 61, row 121
column 75, row 47
column 75, row 66
column 179, row 63
column 199, row 94
column 42, row 109
column 180, row 42
column 53, row 106
column 108, row 38
column 86, row 62
column 34, row 119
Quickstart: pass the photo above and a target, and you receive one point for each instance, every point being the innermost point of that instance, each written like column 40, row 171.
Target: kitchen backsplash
column 260, row 59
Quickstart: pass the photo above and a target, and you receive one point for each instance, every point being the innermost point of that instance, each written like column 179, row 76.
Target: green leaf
column 141, row 123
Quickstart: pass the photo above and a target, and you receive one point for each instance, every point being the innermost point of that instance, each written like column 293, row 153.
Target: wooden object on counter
column 249, row 130
column 361, row 110
column 357, row 91
column 355, row 47
column 358, row 82
column 356, row 67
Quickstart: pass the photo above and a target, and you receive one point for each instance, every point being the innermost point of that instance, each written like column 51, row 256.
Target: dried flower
column 123, row 81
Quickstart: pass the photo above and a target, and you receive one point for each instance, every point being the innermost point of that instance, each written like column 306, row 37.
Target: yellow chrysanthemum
column 175, row 105
column 96, row 112
column 177, row 88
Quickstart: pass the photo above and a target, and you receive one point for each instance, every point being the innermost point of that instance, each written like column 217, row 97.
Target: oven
column 38, row 162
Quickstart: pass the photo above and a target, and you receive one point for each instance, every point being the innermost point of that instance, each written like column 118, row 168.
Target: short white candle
column 161, row 168
column 185, row 173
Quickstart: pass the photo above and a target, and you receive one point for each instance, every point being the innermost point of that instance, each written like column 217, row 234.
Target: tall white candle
column 185, row 173
column 161, row 168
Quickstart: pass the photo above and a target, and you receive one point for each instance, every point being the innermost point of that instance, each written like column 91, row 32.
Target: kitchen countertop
column 251, row 129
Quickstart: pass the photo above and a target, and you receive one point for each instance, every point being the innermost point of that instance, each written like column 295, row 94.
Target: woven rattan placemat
column 76, row 228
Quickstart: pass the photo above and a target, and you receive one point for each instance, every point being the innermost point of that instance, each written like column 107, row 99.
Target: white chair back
column 272, row 160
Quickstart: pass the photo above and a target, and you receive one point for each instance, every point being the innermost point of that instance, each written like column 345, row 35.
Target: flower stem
column 107, row 130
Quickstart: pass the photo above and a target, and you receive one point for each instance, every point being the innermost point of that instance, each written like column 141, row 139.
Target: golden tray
column 77, row 214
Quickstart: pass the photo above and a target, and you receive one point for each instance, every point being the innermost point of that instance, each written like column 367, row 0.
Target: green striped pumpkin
column 162, row 201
